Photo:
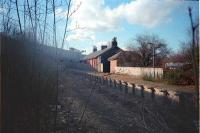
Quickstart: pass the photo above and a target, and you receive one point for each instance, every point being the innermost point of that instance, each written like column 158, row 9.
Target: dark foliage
column 180, row 76
column 152, row 50
column 28, row 82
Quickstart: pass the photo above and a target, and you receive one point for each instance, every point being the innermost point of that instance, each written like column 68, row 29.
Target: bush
column 181, row 76
column 149, row 78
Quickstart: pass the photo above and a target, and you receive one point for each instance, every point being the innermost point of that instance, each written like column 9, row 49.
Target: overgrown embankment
column 28, row 85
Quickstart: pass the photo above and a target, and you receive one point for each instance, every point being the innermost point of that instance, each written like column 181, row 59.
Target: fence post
column 184, row 98
column 106, row 81
column 101, row 80
column 152, row 92
column 120, row 85
column 166, row 94
column 142, row 90
column 110, row 82
column 92, row 77
column 115, row 83
column 96, row 77
column 133, row 89
column 126, row 87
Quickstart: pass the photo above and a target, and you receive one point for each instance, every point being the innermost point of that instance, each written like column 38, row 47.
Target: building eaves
column 114, row 57
column 96, row 54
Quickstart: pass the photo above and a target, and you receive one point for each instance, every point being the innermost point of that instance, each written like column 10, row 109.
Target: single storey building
column 99, row 59
column 124, row 59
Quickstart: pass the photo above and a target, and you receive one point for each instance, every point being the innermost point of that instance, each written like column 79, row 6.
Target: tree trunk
column 194, row 61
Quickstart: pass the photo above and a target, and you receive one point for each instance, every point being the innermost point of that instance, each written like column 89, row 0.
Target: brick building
column 99, row 59
column 124, row 59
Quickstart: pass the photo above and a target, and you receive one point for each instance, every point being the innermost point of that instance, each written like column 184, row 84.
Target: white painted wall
column 139, row 71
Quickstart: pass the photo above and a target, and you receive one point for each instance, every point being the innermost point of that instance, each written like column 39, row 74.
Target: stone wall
column 139, row 71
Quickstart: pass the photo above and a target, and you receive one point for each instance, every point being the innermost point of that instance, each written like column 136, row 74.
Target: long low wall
column 139, row 71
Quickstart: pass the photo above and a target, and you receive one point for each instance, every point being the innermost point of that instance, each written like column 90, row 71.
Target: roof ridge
column 97, row 53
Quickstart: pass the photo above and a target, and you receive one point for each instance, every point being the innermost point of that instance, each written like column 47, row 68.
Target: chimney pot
column 94, row 49
column 103, row 47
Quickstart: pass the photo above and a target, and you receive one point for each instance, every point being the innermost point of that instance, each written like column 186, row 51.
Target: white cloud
column 80, row 36
column 102, row 43
column 146, row 12
column 95, row 16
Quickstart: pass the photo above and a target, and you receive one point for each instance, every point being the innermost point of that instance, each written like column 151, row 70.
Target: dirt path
column 135, row 80
column 107, row 110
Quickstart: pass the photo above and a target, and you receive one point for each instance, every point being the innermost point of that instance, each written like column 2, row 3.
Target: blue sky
column 98, row 21
column 168, row 19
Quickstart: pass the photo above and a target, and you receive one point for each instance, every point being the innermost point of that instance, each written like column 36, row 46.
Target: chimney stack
column 94, row 48
column 114, row 42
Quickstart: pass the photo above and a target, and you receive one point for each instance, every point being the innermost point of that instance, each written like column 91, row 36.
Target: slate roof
column 123, row 54
column 115, row 56
column 97, row 53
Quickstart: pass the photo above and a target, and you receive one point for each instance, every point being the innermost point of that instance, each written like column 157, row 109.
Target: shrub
column 148, row 78
column 181, row 76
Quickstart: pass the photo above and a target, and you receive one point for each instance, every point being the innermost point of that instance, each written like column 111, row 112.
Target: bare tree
column 35, row 14
column 68, row 10
column 45, row 20
column 24, row 15
column 30, row 14
column 151, row 48
column 6, row 18
column 194, row 52
column 69, row 14
column 18, row 15
column 57, row 74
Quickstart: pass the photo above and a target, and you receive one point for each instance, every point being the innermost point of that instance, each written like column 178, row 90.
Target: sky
column 98, row 21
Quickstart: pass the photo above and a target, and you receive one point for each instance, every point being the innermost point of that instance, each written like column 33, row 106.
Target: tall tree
column 151, row 48
column 45, row 20
column 66, row 24
column 18, row 15
column 194, row 52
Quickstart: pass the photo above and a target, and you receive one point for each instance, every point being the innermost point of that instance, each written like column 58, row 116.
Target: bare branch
column 16, row 4
column 68, row 10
